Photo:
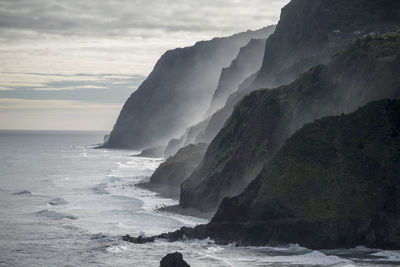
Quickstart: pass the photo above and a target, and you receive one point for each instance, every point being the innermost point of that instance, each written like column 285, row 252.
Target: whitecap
column 24, row 192
column 56, row 215
column 57, row 201
column 118, row 248
column 101, row 189
column 312, row 258
column 388, row 255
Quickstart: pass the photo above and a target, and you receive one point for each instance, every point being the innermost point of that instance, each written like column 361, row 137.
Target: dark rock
column 138, row 240
column 154, row 152
column 169, row 176
column 173, row 260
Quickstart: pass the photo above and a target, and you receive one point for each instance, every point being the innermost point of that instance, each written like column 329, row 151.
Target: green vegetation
column 337, row 167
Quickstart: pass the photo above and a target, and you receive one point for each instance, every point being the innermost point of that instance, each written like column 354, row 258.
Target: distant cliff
column 260, row 124
column 177, row 92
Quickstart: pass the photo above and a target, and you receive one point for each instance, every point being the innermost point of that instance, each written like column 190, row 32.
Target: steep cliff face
column 309, row 33
column 170, row 174
column 260, row 124
column 247, row 62
column 335, row 183
column 176, row 93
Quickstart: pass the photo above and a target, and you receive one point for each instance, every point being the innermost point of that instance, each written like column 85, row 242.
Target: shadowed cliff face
column 309, row 33
column 169, row 176
column 176, row 93
column 260, row 124
column 335, row 183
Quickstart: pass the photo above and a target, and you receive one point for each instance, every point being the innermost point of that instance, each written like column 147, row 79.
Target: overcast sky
column 70, row 65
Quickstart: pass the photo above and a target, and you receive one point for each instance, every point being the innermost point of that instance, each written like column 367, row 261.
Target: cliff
column 176, row 93
column 170, row 174
column 335, row 183
column 260, row 124
column 248, row 61
column 309, row 33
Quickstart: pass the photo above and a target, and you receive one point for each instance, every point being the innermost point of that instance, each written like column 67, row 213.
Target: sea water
column 64, row 203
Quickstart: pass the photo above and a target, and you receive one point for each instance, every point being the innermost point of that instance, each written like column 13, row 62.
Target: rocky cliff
column 260, row 124
column 309, row 33
column 169, row 176
column 248, row 61
column 176, row 93
column 334, row 183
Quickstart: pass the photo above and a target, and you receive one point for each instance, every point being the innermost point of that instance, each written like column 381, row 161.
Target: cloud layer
column 99, row 51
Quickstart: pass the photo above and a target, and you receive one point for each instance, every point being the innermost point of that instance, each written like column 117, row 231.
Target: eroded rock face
column 173, row 260
column 169, row 176
column 309, row 33
column 366, row 71
column 335, row 183
column 247, row 62
column 177, row 92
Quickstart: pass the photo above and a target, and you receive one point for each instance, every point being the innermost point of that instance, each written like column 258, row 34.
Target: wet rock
column 173, row 260
column 138, row 240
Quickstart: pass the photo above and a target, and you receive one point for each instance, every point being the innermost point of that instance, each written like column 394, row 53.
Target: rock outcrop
column 173, row 260
column 169, row 176
column 260, row 124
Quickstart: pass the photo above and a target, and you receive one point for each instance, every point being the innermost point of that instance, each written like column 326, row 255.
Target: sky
column 70, row 65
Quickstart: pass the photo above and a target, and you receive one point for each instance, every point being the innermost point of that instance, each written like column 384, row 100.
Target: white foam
column 57, row 201
column 388, row 255
column 118, row 248
column 314, row 258
column 56, row 215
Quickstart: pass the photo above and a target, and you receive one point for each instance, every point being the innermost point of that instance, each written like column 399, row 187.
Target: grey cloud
column 118, row 17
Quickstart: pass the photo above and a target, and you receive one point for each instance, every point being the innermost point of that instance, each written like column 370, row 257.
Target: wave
column 101, row 189
column 388, row 255
column 56, row 215
column 57, row 202
column 24, row 192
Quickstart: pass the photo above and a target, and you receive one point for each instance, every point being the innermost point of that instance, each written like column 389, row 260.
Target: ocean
column 64, row 203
